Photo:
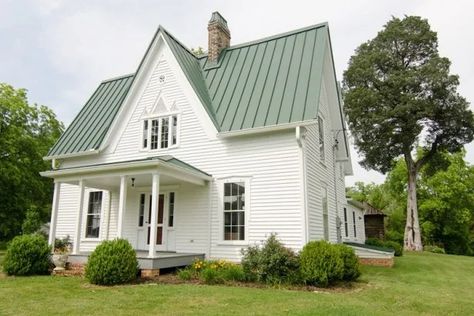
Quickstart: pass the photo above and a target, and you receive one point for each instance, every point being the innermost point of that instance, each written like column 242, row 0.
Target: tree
column 26, row 134
column 447, row 205
column 399, row 95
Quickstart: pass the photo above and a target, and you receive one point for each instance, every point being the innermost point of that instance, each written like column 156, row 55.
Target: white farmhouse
column 205, row 155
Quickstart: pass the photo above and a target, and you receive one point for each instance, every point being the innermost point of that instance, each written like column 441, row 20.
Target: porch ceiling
column 171, row 170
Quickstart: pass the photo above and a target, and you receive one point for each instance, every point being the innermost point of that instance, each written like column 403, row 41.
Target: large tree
column 26, row 133
column 399, row 94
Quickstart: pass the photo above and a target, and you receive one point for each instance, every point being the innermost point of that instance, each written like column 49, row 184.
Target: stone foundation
column 381, row 262
column 149, row 273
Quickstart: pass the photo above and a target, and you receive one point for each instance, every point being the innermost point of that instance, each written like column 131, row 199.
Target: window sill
column 91, row 239
column 233, row 243
column 146, row 150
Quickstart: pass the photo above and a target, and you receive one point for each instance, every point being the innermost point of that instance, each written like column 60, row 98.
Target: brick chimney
column 219, row 36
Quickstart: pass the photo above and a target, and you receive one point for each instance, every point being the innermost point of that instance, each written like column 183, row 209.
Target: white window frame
column 220, row 184
column 150, row 118
column 86, row 213
column 346, row 223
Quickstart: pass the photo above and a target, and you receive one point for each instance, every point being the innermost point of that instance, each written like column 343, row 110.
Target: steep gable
column 269, row 82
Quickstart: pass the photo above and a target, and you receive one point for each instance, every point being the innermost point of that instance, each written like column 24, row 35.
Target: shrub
column 211, row 276
column 434, row 249
column 185, row 274
column 395, row 246
column 374, row 242
column 32, row 222
column 272, row 263
column 62, row 245
column 232, row 272
column 321, row 263
column 27, row 255
column 351, row 262
column 112, row 262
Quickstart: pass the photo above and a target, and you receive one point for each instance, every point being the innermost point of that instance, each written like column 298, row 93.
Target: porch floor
column 162, row 259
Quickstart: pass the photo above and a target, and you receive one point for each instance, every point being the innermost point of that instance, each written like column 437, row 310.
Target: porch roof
column 164, row 164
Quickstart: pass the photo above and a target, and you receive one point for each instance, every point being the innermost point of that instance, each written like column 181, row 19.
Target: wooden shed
column 374, row 222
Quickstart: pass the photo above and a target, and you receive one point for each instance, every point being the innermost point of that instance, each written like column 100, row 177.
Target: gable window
column 93, row 214
column 234, row 207
column 321, row 138
column 346, row 226
column 354, row 222
column 324, row 201
column 160, row 132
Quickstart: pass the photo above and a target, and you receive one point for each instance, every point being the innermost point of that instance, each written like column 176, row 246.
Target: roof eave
column 265, row 129
column 72, row 155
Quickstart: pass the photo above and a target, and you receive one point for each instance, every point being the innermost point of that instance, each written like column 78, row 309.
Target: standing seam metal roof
column 272, row 81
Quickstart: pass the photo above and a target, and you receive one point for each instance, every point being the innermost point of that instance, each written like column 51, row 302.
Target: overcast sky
column 61, row 50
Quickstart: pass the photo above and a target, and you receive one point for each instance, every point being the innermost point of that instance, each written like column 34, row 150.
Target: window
column 321, row 139
column 355, row 225
column 234, row 211
column 93, row 214
column 171, row 210
column 346, row 226
column 141, row 210
column 160, row 133
column 324, row 201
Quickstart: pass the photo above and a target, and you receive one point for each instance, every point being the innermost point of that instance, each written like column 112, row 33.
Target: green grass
column 419, row 284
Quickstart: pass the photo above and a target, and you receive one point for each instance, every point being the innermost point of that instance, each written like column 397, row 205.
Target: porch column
column 155, row 193
column 80, row 206
column 54, row 214
column 122, row 205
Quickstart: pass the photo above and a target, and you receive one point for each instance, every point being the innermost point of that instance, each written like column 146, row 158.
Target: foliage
column 399, row 94
column 395, row 246
column 185, row 274
column 198, row 51
column 27, row 255
column 26, row 134
column 213, row 272
column 62, row 245
column 272, row 263
column 32, row 222
column 351, row 262
column 434, row 249
column 374, row 242
column 112, row 262
column 321, row 264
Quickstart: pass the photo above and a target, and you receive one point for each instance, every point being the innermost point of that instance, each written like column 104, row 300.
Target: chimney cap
column 218, row 18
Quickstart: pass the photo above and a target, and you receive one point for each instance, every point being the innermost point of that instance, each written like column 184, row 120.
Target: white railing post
column 80, row 207
column 122, row 205
column 155, row 193
column 54, row 214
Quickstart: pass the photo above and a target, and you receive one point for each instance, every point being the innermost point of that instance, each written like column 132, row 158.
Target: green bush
column 395, row 246
column 232, row 272
column 185, row 274
column 273, row 263
column 321, row 263
column 112, row 262
column 27, row 255
column 32, row 222
column 374, row 242
column 211, row 276
column 434, row 249
column 351, row 262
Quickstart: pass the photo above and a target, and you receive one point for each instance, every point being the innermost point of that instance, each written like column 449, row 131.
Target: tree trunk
column 412, row 240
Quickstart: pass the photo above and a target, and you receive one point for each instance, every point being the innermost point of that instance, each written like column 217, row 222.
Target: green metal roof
column 272, row 81
column 88, row 129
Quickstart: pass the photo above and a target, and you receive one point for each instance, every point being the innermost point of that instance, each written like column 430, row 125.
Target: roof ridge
column 178, row 41
column 272, row 37
column 118, row 77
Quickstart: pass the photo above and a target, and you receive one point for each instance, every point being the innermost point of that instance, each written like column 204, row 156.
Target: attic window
column 160, row 132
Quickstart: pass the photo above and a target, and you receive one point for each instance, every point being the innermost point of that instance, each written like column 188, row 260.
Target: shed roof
column 271, row 81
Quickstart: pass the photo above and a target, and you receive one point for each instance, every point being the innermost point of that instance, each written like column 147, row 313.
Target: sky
column 61, row 50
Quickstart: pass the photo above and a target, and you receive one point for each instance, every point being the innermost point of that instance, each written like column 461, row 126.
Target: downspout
column 334, row 161
column 300, row 133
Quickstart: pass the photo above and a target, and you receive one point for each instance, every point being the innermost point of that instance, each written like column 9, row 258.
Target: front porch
column 141, row 201
column 161, row 259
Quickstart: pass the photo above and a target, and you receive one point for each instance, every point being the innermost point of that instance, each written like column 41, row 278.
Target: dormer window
column 160, row 132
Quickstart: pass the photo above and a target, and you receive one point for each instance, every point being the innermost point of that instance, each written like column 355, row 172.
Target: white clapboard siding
column 270, row 160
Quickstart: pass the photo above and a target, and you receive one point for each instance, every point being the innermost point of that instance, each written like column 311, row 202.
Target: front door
column 164, row 225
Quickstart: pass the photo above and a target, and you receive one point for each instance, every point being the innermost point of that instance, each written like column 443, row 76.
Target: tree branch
column 431, row 152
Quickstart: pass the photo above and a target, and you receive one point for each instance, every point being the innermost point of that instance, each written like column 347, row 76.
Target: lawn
column 418, row 284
